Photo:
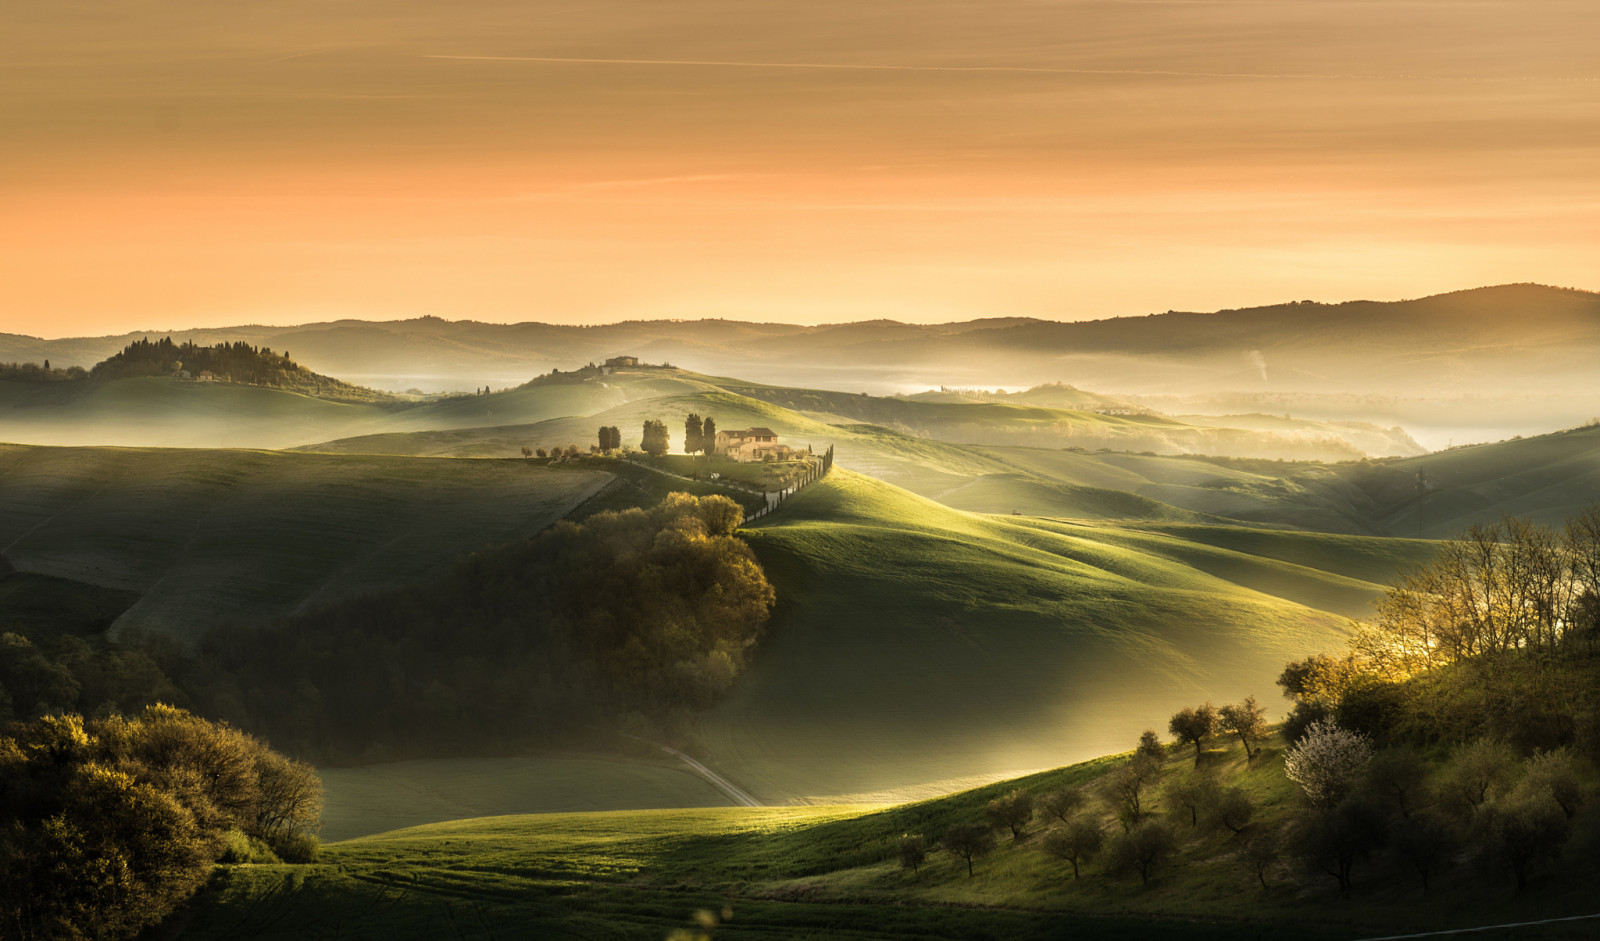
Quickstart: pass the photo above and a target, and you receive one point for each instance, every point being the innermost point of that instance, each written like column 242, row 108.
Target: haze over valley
column 705, row 470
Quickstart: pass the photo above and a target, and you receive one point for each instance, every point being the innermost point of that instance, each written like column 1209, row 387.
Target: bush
column 240, row 848
column 298, row 848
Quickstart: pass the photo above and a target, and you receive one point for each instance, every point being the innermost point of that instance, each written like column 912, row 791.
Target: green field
column 166, row 412
column 375, row 798
column 212, row 538
column 1069, row 418
column 832, row 872
column 1014, row 643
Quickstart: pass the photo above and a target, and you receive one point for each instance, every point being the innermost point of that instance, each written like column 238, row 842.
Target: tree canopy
column 634, row 616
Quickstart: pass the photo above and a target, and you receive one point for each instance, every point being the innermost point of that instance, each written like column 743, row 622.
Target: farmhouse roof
column 761, row 433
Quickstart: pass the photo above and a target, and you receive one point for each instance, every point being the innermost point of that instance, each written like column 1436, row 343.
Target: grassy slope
column 211, row 537
column 375, row 798
column 1011, row 643
column 613, row 875
column 832, row 872
column 39, row 606
column 162, row 412
column 1547, row 478
column 1021, row 421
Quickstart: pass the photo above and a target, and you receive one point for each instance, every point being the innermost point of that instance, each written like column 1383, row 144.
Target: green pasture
column 375, row 798
column 165, row 412
column 212, row 538
column 833, row 872
column 1015, row 643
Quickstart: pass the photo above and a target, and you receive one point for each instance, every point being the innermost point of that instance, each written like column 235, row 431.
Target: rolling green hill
column 833, row 872
column 217, row 537
column 160, row 411
column 375, row 798
column 1053, row 418
column 167, row 412
column 1013, row 643
column 639, row 875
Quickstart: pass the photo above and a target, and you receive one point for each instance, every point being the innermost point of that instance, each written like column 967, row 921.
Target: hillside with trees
column 630, row 619
column 236, row 362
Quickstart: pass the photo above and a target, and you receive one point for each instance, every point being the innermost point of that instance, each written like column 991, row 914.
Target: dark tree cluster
column 33, row 372
column 237, row 361
column 1483, row 811
column 233, row 362
column 634, row 617
column 66, row 673
column 108, row 825
column 610, row 438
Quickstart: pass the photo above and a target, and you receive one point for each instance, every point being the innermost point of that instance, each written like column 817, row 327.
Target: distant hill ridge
column 1526, row 312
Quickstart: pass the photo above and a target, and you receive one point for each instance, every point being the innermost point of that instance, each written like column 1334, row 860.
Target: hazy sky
column 172, row 164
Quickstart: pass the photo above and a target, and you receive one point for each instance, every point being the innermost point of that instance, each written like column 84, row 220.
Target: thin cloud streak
column 849, row 67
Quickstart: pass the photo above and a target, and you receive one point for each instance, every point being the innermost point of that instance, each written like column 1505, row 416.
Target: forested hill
column 238, row 362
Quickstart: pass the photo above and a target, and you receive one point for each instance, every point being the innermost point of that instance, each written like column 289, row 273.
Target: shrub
column 296, row 847
column 240, row 848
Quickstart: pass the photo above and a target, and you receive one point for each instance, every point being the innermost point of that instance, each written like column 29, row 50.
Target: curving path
column 740, row 796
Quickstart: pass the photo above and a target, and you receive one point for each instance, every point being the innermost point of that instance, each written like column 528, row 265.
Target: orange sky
column 172, row 164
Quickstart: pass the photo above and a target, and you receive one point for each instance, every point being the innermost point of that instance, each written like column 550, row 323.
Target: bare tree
column 1124, row 787
column 1245, row 719
column 1063, row 802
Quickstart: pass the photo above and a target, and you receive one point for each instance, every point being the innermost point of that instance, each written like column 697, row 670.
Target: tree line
column 33, row 372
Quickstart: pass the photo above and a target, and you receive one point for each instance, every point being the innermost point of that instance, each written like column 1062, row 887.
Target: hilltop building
column 752, row 444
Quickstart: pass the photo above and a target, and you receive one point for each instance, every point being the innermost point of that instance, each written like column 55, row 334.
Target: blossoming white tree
column 1328, row 762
